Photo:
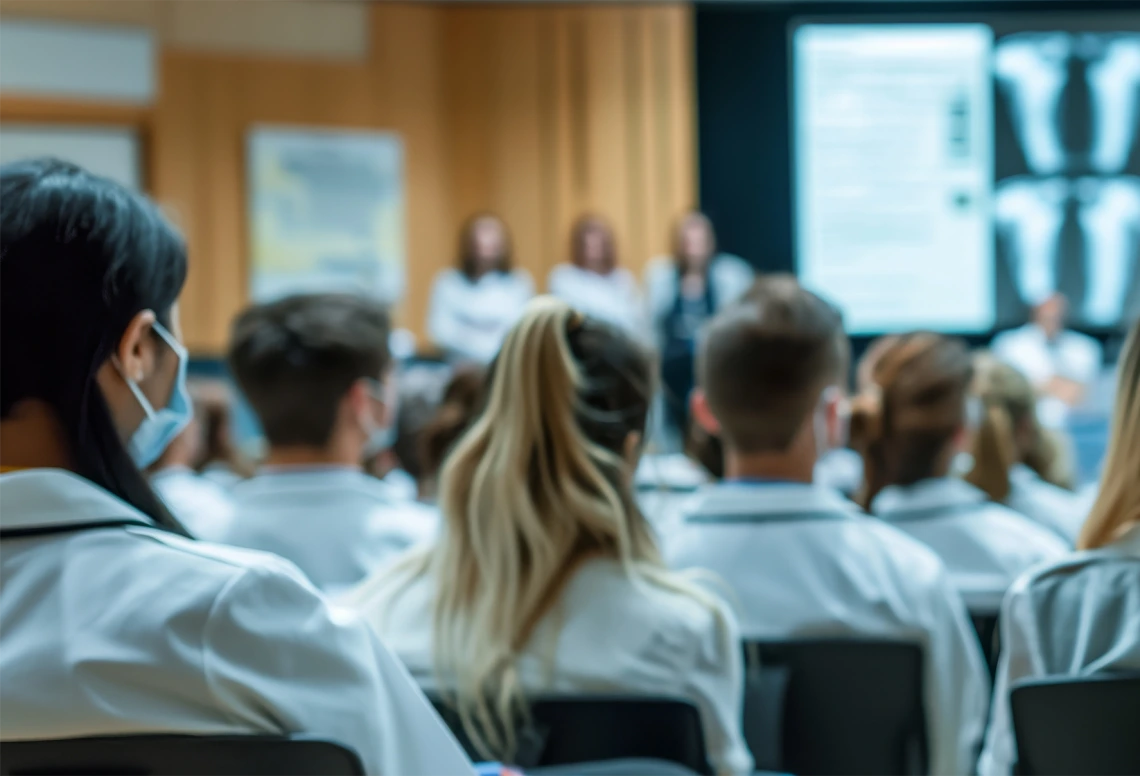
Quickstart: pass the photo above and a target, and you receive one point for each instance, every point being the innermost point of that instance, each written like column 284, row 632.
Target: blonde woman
column 546, row 578
column 1016, row 461
column 1081, row 615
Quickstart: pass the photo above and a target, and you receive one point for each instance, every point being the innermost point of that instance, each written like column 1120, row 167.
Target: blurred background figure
column 462, row 402
column 473, row 305
column 1061, row 364
column 593, row 282
column 685, row 290
column 1015, row 460
column 194, row 474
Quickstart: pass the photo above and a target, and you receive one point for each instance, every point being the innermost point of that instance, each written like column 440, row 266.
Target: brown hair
column 295, row 359
column 462, row 400
column 468, row 263
column 1009, row 432
column 588, row 223
column 679, row 259
column 764, row 360
column 903, row 422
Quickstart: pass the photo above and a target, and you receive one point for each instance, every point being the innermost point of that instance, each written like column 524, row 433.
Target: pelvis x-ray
column 1055, row 81
column 1078, row 235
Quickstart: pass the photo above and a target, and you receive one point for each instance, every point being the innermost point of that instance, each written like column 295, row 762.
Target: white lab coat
column 665, row 486
column 1072, row 355
column 802, row 561
column 985, row 546
column 468, row 320
column 1076, row 617
column 1059, row 510
column 336, row 523
column 607, row 635
column 130, row 629
column 613, row 298
column 200, row 504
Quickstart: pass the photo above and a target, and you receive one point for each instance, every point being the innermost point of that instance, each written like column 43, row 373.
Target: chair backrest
column 175, row 755
column 589, row 728
column 850, row 706
column 989, row 636
column 1087, row 724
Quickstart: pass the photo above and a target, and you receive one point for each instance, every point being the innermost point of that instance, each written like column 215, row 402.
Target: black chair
column 566, row 730
column 178, row 755
column 989, row 636
column 1071, row 725
column 850, row 706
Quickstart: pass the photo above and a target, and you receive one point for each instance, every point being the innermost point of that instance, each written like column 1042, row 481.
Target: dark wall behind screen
column 743, row 62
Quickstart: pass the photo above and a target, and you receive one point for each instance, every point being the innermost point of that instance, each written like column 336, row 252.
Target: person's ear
column 136, row 352
column 631, row 449
column 359, row 403
column 837, row 412
column 702, row 413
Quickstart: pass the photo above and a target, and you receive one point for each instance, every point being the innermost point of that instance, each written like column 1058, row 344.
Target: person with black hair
column 317, row 372
column 114, row 620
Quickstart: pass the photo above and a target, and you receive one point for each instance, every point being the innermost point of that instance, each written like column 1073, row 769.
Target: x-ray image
column 1080, row 236
column 1067, row 217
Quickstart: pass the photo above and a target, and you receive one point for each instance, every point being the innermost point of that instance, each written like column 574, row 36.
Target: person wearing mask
column 1015, row 461
column 593, row 283
column 909, row 425
column 200, row 504
column 685, row 290
column 317, row 373
column 1079, row 616
column 1061, row 364
column 799, row 557
column 115, row 621
column 547, row 578
column 474, row 305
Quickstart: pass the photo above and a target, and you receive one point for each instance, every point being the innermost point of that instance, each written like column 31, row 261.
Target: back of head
column 1117, row 507
column 295, row 360
column 904, row 423
column 541, row 482
column 80, row 257
column 764, row 361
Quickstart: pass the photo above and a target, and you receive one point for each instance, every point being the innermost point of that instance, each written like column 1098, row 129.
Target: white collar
column 1021, row 474
column 933, row 495
column 54, row 498
column 768, row 502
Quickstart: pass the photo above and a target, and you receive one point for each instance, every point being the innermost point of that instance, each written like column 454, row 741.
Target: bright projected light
column 893, row 127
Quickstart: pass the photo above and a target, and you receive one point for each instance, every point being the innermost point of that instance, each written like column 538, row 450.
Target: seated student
column 220, row 461
column 115, row 622
column 315, row 370
column 909, row 425
column 1080, row 615
column 461, row 404
column 547, row 578
column 1016, row 461
column 594, row 283
column 800, row 558
column 200, row 504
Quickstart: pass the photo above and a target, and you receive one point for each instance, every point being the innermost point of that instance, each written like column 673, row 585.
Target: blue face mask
column 160, row 427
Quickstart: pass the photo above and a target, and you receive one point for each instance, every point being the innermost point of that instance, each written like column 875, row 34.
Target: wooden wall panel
column 556, row 111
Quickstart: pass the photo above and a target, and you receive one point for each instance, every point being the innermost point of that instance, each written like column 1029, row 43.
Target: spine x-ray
column 1072, row 224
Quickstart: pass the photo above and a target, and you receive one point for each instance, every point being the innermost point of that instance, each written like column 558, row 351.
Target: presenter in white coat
column 317, row 372
column 547, row 579
column 800, row 558
column 473, row 305
column 594, row 283
column 1080, row 615
column 1016, row 461
column 909, row 425
column 115, row 622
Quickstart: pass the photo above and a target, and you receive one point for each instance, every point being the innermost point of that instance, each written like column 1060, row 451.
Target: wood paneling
column 556, row 111
column 536, row 112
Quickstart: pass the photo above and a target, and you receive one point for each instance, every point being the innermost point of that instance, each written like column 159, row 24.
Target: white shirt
column 803, row 561
column 337, row 524
column 1076, row 617
column 468, row 320
column 606, row 635
column 1060, row 510
column 131, row 629
column 665, row 485
column 1070, row 355
column 613, row 298
column 200, row 504
column 985, row 546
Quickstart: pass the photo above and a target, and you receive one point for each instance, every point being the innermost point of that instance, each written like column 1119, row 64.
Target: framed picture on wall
column 326, row 212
